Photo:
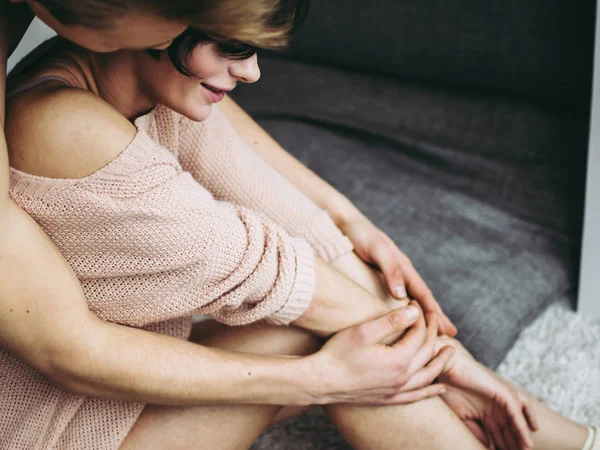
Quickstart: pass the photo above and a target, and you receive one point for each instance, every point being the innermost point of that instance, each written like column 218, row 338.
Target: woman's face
column 193, row 96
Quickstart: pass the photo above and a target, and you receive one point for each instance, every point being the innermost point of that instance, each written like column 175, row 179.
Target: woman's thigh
column 219, row 426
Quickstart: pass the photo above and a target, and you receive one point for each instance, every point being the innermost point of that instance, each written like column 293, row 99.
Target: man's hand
column 357, row 366
column 374, row 247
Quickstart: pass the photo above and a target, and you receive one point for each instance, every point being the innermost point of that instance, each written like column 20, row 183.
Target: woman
column 134, row 224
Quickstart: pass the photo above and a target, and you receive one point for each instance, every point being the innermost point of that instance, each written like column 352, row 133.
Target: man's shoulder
column 64, row 132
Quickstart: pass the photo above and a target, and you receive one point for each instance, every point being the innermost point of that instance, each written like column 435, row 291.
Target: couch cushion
column 529, row 48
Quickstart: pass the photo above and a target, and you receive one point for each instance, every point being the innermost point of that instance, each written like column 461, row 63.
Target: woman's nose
column 246, row 70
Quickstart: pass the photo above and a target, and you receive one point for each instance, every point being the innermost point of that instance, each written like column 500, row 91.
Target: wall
column 37, row 33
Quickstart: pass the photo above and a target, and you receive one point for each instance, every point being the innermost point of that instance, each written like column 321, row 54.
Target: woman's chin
column 197, row 113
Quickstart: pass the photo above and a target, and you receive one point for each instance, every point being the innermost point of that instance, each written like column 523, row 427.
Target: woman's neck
column 114, row 78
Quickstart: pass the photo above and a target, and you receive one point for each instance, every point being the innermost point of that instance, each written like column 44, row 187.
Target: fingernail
column 400, row 292
column 412, row 313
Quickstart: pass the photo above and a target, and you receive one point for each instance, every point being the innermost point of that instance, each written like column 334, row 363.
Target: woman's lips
column 216, row 95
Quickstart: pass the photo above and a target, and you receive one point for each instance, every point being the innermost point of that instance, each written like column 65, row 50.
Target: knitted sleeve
column 226, row 165
column 150, row 244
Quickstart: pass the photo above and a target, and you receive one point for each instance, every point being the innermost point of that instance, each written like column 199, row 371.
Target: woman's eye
column 235, row 51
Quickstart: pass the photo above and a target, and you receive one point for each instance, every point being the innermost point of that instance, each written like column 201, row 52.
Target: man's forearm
column 128, row 364
column 301, row 177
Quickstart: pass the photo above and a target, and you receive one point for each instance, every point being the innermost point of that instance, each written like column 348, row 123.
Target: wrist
column 343, row 211
column 316, row 386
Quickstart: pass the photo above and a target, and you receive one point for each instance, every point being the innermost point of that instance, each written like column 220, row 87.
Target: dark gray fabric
column 311, row 431
column 540, row 48
column 520, row 157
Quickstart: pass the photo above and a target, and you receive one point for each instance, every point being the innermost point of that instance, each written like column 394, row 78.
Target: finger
column 429, row 373
column 396, row 321
column 528, row 412
column 447, row 327
column 418, row 289
column 476, row 429
column 389, row 259
column 427, row 350
column 509, row 438
column 531, row 419
column 519, row 426
column 414, row 339
column 417, row 395
column 402, row 278
column 496, row 436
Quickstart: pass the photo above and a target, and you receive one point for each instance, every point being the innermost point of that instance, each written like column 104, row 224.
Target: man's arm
column 301, row 177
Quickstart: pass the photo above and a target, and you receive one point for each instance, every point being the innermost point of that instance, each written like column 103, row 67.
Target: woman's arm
column 47, row 324
column 301, row 177
column 219, row 159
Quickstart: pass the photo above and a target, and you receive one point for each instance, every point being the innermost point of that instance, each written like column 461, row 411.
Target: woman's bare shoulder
column 63, row 132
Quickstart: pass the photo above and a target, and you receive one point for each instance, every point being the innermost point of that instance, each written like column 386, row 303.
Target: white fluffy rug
column 557, row 359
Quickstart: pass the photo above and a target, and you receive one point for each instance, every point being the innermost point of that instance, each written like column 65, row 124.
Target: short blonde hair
column 260, row 23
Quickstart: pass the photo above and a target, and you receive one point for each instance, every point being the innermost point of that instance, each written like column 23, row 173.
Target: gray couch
column 460, row 128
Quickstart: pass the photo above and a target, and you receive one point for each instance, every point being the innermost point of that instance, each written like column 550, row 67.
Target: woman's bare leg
column 556, row 432
column 237, row 426
column 429, row 424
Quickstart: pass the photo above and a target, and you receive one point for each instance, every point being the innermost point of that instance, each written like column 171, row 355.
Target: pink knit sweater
column 186, row 220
